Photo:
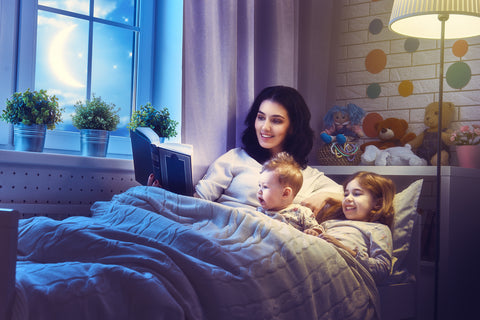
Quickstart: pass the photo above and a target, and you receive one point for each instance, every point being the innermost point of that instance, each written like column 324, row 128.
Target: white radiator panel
column 60, row 185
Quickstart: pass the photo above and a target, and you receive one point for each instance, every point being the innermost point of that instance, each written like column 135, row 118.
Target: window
column 82, row 48
column 141, row 40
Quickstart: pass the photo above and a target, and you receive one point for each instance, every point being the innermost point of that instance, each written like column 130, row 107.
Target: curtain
column 232, row 49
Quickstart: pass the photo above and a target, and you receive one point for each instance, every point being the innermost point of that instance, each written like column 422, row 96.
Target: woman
column 278, row 120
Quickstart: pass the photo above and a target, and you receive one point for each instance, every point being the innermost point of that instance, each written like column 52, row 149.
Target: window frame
column 68, row 141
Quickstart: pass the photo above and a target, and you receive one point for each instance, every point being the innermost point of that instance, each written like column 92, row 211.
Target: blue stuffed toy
column 343, row 123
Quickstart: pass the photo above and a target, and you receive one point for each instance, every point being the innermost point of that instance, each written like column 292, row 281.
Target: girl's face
column 358, row 202
column 270, row 192
column 271, row 125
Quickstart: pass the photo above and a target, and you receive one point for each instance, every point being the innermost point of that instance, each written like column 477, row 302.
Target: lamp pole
column 443, row 18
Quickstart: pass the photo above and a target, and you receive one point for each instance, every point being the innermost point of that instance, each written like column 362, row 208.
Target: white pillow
column 405, row 204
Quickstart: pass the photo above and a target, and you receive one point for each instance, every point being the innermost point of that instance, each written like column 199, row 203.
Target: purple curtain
column 235, row 48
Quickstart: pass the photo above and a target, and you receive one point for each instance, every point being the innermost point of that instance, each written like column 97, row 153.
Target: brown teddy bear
column 392, row 132
column 426, row 143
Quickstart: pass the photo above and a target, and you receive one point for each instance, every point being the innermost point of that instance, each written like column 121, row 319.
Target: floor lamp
column 436, row 19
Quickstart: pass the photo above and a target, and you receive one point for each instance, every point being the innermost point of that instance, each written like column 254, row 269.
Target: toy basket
column 335, row 154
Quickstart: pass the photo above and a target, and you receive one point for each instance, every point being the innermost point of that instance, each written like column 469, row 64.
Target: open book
column 171, row 163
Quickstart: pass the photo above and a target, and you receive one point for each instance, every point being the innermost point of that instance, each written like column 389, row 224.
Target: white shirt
column 233, row 178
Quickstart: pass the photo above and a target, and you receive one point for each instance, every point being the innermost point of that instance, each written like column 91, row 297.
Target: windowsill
column 66, row 159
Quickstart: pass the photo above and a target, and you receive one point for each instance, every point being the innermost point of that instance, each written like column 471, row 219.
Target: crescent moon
column 56, row 59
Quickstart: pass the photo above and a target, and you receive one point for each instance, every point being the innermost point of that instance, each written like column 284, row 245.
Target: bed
column 152, row 254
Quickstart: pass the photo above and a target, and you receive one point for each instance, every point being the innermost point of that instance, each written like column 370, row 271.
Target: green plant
column 95, row 114
column 33, row 107
column 158, row 120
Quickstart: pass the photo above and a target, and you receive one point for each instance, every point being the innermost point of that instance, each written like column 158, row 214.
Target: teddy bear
column 343, row 123
column 425, row 144
column 391, row 149
column 394, row 156
column 392, row 132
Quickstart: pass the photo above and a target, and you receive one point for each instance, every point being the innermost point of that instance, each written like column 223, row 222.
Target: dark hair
column 299, row 140
column 379, row 186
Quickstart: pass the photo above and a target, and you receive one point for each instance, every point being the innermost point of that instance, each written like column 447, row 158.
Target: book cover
column 171, row 163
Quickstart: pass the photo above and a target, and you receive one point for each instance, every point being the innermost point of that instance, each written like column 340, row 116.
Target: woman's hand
column 152, row 181
column 318, row 201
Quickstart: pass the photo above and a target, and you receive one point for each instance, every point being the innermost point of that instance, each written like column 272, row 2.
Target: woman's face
column 272, row 125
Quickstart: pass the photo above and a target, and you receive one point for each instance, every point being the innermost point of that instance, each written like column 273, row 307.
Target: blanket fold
column 152, row 254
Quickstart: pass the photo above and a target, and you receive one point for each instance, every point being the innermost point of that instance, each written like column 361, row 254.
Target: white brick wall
column 420, row 67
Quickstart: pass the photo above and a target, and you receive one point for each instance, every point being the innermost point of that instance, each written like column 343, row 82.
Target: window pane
column 78, row 6
column 61, row 63
column 112, row 67
column 122, row 11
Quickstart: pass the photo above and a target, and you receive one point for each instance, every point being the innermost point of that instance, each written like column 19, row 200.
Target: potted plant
column 95, row 119
column 158, row 120
column 31, row 113
column 467, row 142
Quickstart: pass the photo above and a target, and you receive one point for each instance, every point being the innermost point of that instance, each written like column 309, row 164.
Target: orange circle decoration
column 460, row 48
column 405, row 88
column 376, row 61
column 369, row 122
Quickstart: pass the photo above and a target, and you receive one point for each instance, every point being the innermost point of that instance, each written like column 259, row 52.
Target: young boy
column 280, row 180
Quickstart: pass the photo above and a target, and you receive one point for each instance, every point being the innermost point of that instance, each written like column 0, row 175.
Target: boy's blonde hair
column 287, row 170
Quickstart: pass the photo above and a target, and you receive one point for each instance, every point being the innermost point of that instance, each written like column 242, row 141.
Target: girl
column 361, row 224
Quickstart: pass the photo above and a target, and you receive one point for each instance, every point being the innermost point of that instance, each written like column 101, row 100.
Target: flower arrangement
column 158, row 120
column 33, row 107
column 95, row 114
column 466, row 135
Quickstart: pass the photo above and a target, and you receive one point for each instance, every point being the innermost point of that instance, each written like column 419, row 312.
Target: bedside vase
column 468, row 156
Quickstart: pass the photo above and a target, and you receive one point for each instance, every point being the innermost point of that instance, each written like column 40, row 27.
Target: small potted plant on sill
column 32, row 113
column 467, row 145
column 95, row 119
column 154, row 126
column 159, row 120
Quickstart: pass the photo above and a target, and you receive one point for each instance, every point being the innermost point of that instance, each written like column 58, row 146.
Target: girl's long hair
column 299, row 140
column 379, row 186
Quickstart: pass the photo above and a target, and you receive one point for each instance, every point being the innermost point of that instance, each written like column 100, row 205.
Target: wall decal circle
column 460, row 48
column 376, row 61
column 376, row 26
column 458, row 75
column 373, row 90
column 405, row 88
column 411, row 44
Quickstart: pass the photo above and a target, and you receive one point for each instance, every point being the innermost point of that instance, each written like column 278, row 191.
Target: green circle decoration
column 458, row 75
column 373, row 90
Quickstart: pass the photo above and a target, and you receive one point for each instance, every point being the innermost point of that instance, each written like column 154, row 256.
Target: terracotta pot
column 468, row 156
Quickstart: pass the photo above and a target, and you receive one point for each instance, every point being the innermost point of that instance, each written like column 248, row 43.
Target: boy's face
column 270, row 193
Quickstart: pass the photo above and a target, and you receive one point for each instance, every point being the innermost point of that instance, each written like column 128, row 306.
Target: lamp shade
column 419, row 18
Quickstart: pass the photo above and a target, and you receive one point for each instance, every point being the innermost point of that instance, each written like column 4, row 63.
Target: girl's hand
column 311, row 232
column 152, row 181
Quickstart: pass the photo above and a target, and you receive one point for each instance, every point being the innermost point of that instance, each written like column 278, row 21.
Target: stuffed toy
column 394, row 156
column 392, row 132
column 343, row 124
column 426, row 143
